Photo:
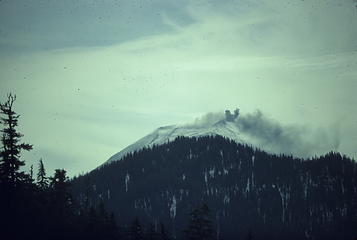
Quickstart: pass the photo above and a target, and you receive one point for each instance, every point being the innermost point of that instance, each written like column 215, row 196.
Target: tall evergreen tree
column 15, row 185
column 61, row 198
column 42, row 180
column 10, row 162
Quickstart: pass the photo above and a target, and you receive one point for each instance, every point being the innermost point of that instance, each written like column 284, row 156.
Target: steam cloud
column 270, row 135
column 300, row 141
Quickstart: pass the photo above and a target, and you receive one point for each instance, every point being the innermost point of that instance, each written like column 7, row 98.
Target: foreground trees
column 15, row 185
column 42, row 210
column 10, row 163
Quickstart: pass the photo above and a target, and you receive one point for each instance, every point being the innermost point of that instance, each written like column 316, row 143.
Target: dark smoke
column 272, row 136
column 231, row 117
column 299, row 141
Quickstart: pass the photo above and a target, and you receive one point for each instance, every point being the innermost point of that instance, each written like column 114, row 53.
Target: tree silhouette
column 61, row 199
column 10, row 162
column 15, row 186
column 31, row 173
column 42, row 180
column 41, row 210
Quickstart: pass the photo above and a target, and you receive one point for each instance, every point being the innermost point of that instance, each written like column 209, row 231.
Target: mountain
column 225, row 128
column 247, row 190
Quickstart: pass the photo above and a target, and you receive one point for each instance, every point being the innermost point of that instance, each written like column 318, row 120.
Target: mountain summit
column 225, row 127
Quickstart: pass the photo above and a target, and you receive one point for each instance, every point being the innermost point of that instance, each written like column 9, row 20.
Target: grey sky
column 94, row 76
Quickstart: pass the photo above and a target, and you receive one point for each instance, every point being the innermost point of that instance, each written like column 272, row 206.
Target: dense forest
column 249, row 192
column 191, row 188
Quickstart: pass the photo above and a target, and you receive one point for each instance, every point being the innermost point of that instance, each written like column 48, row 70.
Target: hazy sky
column 92, row 77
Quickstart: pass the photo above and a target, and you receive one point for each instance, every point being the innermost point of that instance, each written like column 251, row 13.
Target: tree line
column 42, row 207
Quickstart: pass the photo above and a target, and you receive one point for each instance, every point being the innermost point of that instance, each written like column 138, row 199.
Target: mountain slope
column 274, row 197
column 225, row 128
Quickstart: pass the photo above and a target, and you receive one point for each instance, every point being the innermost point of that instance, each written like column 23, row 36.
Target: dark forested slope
column 246, row 189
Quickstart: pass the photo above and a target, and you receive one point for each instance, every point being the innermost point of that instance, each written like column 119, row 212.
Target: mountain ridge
column 275, row 196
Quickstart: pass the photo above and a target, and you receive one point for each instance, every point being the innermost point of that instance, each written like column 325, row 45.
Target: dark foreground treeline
column 46, row 210
column 41, row 207
column 31, row 211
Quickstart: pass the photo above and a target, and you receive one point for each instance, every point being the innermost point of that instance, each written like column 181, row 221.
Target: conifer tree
column 10, row 162
column 59, row 181
column 28, row 180
column 61, row 198
column 42, row 181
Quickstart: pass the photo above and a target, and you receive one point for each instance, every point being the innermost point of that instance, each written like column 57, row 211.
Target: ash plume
column 272, row 136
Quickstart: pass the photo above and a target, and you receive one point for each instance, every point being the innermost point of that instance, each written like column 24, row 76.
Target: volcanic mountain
column 162, row 177
column 247, row 190
column 224, row 127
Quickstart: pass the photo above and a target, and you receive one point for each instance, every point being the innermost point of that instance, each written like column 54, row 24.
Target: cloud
column 207, row 120
column 46, row 25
